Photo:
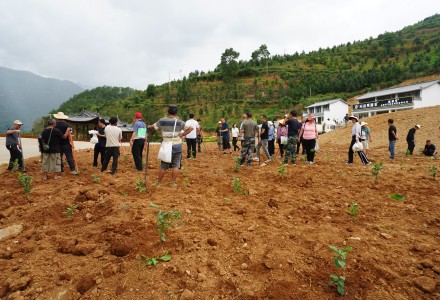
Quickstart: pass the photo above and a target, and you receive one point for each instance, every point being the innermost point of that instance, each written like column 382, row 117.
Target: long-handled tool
column 22, row 153
column 146, row 159
column 73, row 150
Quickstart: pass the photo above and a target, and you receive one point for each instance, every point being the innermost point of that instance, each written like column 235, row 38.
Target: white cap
column 18, row 122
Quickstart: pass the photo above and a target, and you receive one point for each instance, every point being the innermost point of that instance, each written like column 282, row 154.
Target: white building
column 334, row 109
column 406, row 97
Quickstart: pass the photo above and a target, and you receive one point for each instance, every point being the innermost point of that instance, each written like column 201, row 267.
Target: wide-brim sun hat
column 353, row 117
column 60, row 116
column 364, row 123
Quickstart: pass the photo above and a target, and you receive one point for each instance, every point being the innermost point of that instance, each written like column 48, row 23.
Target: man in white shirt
column 191, row 138
column 355, row 137
column 114, row 136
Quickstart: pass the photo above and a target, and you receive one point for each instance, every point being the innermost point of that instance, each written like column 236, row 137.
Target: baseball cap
column 138, row 115
column 18, row 122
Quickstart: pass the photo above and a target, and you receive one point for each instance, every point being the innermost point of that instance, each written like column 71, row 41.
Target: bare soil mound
column 269, row 241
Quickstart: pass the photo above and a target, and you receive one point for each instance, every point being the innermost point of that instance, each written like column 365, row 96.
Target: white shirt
column 235, row 131
column 356, row 130
column 194, row 124
column 113, row 136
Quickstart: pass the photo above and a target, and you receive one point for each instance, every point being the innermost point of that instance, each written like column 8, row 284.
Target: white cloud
column 134, row 43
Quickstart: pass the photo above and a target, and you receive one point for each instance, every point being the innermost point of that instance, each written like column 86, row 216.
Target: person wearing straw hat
column 13, row 144
column 65, row 146
column 355, row 137
column 410, row 139
column 365, row 136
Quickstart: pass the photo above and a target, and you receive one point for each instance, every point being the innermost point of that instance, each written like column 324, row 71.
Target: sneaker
column 369, row 163
column 268, row 161
column 255, row 159
column 348, row 163
column 310, row 162
column 74, row 172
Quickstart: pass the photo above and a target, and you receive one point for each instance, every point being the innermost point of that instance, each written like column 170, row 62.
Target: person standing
column 235, row 132
column 243, row 118
column 218, row 132
column 410, row 139
column 293, row 127
column 263, row 140
column 281, row 132
column 113, row 136
column 225, row 136
column 100, row 146
column 271, row 139
column 392, row 138
column 51, row 159
column 191, row 137
column 137, row 140
column 309, row 134
column 365, row 136
column 300, row 143
column 346, row 118
column 13, row 144
column 65, row 146
column 199, row 135
column 249, row 129
column 171, row 128
column 355, row 137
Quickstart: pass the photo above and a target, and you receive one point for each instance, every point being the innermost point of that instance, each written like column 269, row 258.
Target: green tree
column 229, row 64
column 151, row 91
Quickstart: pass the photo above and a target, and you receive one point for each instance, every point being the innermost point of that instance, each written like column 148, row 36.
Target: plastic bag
column 316, row 146
column 358, row 147
column 94, row 139
column 283, row 140
column 165, row 152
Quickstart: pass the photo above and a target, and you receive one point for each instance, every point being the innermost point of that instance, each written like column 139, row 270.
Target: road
column 30, row 148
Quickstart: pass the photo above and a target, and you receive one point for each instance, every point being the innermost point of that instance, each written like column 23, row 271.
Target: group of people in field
column 289, row 133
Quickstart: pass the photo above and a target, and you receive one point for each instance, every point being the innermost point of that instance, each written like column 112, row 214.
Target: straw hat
column 364, row 123
column 353, row 117
column 60, row 116
column 418, row 126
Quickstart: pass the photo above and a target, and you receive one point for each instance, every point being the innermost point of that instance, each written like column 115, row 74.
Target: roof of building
column 86, row 116
column 397, row 90
column 326, row 102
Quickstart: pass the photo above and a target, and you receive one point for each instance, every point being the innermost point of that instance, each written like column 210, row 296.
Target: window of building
column 326, row 107
column 311, row 110
column 318, row 109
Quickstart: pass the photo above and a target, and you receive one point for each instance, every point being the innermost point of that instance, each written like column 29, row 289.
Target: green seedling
column 304, row 157
column 433, row 171
column 140, row 185
column 125, row 158
column 282, row 171
column 339, row 283
column 375, row 170
column 237, row 164
column 165, row 220
column 96, row 178
column 237, row 185
column 227, row 199
column 25, row 181
column 340, row 263
column 125, row 194
column 397, row 197
column 15, row 166
column 407, row 153
column 353, row 209
column 70, row 211
column 153, row 261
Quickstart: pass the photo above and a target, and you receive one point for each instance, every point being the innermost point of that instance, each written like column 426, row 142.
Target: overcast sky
column 137, row 42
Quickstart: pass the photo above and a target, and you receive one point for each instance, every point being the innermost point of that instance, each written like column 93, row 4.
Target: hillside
column 273, row 84
column 269, row 240
column 27, row 96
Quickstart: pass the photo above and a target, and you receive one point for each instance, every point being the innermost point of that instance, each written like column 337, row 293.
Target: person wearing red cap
column 137, row 140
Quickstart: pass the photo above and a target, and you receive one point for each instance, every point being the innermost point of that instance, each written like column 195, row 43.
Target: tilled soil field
column 269, row 241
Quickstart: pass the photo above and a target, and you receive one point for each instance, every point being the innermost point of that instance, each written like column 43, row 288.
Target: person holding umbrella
column 13, row 144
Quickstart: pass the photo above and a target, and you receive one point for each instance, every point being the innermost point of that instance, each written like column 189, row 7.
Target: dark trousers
column 199, row 142
column 67, row 150
column 271, row 146
column 109, row 153
column 191, row 147
column 361, row 154
column 234, row 143
column 96, row 151
column 309, row 146
column 15, row 155
column 136, row 151
column 298, row 145
column 226, row 144
column 411, row 146
column 281, row 146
